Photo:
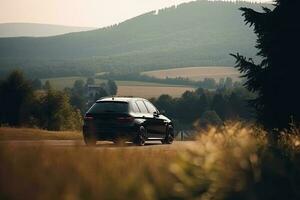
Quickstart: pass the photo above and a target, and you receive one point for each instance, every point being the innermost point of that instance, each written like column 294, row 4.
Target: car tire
column 119, row 141
column 89, row 139
column 140, row 139
column 169, row 138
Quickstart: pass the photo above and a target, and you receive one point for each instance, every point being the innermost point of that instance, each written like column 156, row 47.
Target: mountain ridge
column 198, row 33
column 24, row 29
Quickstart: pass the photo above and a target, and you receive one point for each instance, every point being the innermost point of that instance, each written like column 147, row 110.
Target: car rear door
column 147, row 117
column 157, row 124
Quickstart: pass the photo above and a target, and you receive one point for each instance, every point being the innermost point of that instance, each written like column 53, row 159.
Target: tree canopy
column 275, row 78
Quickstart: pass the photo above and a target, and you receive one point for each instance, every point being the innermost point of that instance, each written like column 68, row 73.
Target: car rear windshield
column 109, row 106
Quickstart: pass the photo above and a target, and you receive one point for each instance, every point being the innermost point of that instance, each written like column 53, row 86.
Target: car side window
column 142, row 106
column 135, row 108
column 150, row 107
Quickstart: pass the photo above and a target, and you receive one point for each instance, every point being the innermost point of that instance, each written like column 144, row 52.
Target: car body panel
column 113, row 125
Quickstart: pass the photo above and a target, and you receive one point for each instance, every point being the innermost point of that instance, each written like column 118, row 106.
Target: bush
column 237, row 162
column 56, row 113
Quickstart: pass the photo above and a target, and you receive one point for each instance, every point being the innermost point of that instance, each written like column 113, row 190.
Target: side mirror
column 156, row 114
column 162, row 112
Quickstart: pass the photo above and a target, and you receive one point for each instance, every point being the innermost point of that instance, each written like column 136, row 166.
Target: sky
column 85, row 13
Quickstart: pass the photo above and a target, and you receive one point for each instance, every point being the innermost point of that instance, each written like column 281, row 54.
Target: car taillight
column 128, row 119
column 88, row 117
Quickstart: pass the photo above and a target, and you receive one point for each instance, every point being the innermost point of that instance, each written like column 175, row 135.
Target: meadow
column 151, row 89
column 196, row 73
column 126, row 88
column 233, row 162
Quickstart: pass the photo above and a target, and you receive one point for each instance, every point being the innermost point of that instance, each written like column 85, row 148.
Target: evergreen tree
column 209, row 118
column 16, row 95
column 47, row 86
column 219, row 104
column 78, row 95
column 275, row 78
column 112, row 87
column 90, row 81
column 36, row 84
column 100, row 93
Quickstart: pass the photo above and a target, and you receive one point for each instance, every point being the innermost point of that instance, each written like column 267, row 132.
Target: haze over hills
column 37, row 30
column 198, row 33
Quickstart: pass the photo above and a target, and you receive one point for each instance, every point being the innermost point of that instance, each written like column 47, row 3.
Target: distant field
column 196, row 73
column 152, row 91
column 61, row 82
column 126, row 88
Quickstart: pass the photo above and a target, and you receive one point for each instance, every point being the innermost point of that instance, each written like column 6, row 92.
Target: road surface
column 80, row 143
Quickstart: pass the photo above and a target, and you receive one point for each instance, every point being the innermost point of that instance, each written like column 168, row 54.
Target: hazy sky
column 93, row 13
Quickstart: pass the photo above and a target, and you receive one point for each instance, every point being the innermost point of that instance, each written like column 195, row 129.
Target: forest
column 173, row 37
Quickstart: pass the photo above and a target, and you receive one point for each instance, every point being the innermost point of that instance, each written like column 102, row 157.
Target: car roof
column 120, row 99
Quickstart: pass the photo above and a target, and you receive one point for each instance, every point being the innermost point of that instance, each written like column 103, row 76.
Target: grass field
column 62, row 82
column 152, row 91
column 126, row 88
column 197, row 73
column 37, row 134
column 234, row 162
column 148, row 89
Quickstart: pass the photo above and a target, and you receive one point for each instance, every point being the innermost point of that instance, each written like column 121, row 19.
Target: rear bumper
column 128, row 132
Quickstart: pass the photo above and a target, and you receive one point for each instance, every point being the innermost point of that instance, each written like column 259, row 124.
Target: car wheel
column 89, row 139
column 140, row 139
column 119, row 141
column 169, row 136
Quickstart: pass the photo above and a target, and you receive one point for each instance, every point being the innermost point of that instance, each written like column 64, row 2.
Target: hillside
column 193, row 34
column 36, row 30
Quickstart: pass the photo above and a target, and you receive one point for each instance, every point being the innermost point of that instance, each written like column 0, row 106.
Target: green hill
column 199, row 33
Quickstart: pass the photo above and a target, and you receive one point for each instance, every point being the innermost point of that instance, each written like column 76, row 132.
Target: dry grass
column 84, row 173
column 197, row 73
column 37, row 134
column 238, row 162
column 233, row 162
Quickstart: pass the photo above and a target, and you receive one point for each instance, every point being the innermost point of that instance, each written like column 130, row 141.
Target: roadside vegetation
column 37, row 104
column 240, row 161
column 232, row 162
column 9, row 133
column 22, row 105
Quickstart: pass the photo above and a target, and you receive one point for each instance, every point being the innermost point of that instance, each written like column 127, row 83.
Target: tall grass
column 84, row 173
column 234, row 162
column 8, row 133
column 238, row 162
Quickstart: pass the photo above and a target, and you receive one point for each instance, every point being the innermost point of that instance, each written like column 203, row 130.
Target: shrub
column 56, row 113
column 237, row 162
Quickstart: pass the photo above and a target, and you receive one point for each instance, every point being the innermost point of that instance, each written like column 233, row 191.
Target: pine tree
column 275, row 78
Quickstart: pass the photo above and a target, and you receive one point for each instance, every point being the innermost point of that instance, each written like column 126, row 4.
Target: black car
column 132, row 119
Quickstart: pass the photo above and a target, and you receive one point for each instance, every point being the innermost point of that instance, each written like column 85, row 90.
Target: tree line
column 201, row 108
column 29, row 103
column 206, row 83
